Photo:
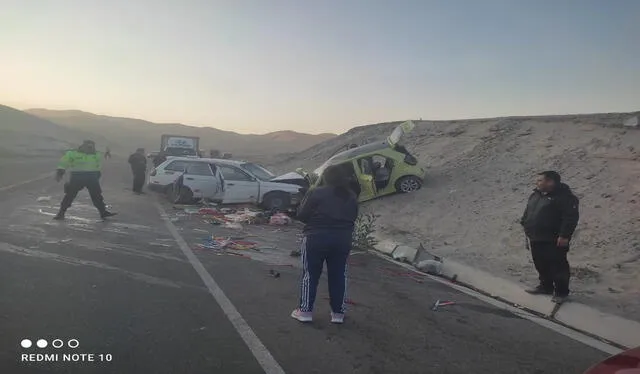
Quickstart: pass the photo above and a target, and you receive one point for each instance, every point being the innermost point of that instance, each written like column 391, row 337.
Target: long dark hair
column 335, row 176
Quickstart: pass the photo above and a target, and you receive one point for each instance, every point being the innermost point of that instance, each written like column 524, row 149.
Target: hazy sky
column 319, row 65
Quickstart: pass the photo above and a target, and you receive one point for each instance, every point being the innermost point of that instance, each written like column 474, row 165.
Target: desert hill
column 480, row 173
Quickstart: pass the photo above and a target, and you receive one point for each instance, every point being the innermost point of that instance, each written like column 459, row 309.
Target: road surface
column 130, row 292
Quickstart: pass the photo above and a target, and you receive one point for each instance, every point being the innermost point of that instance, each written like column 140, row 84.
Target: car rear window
column 177, row 165
column 199, row 168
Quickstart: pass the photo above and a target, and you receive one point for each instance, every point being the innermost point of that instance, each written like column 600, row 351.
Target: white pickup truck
column 226, row 181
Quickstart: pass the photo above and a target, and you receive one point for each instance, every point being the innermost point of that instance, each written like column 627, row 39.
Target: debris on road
column 430, row 266
column 238, row 254
column 44, row 199
column 221, row 243
column 274, row 273
column 233, row 225
column 280, row 219
column 439, row 303
column 57, row 241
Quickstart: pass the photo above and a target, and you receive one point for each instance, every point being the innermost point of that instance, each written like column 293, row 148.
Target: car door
column 364, row 169
column 217, row 174
column 240, row 187
column 383, row 176
column 200, row 179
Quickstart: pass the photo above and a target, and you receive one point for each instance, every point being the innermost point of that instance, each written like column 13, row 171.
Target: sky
column 255, row 66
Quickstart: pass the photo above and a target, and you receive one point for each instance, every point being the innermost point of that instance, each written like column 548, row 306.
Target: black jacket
column 138, row 162
column 322, row 210
column 552, row 215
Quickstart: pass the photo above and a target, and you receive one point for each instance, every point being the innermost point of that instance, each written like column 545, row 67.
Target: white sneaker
column 337, row 317
column 302, row 316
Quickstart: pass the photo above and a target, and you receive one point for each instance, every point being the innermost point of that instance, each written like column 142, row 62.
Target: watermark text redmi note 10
column 58, row 350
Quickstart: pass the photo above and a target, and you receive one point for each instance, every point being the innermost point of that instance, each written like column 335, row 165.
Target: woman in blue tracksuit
column 329, row 213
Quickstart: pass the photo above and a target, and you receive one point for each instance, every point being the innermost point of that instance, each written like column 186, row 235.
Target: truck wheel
column 276, row 200
column 408, row 184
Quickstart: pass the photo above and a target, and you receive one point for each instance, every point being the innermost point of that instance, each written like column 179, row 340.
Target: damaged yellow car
column 377, row 169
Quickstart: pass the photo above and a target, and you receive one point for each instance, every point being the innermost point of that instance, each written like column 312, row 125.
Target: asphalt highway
column 138, row 295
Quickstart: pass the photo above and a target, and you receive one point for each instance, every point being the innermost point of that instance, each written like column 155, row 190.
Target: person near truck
column 138, row 164
column 329, row 213
column 84, row 166
column 159, row 159
column 549, row 221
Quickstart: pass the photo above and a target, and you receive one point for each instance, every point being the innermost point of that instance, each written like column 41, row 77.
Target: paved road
column 125, row 288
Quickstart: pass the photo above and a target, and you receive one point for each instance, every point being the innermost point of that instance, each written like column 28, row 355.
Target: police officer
column 84, row 166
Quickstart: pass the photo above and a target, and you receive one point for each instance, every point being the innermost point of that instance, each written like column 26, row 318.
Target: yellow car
column 378, row 169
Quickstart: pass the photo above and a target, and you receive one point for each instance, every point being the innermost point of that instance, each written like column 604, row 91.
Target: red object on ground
column 627, row 362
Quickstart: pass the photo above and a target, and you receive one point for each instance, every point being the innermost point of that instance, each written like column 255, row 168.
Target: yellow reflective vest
column 76, row 161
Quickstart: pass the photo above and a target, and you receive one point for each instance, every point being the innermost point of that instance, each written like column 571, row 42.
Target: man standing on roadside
column 138, row 164
column 549, row 221
column 107, row 153
column 84, row 165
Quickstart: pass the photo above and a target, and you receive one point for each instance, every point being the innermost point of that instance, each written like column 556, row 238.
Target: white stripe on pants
column 306, row 276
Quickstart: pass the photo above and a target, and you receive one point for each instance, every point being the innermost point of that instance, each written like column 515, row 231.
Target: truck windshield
column 175, row 151
column 258, row 171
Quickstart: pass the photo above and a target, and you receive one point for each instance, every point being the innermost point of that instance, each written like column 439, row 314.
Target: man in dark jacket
column 549, row 221
column 138, row 164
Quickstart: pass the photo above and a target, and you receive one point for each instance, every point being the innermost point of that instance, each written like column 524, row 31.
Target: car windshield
column 258, row 171
column 174, row 151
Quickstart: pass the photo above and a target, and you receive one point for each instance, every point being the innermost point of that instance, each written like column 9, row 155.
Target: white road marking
column 43, row 176
column 259, row 351
column 562, row 330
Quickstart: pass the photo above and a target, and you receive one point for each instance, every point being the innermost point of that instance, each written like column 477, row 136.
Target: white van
column 227, row 181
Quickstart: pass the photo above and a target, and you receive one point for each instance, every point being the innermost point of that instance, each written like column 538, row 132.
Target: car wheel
column 276, row 200
column 408, row 184
column 168, row 191
column 183, row 195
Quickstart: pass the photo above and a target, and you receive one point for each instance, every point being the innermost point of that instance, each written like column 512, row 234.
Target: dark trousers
column 79, row 181
column 332, row 247
column 552, row 266
column 139, row 176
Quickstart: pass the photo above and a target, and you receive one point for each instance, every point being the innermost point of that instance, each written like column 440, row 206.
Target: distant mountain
column 130, row 133
column 23, row 134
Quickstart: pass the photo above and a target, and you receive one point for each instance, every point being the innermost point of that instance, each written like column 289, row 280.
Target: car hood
column 287, row 176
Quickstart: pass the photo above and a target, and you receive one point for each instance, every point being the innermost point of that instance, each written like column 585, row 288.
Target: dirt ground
column 480, row 173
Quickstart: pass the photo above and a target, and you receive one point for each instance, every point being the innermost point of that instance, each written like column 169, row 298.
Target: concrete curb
column 619, row 331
